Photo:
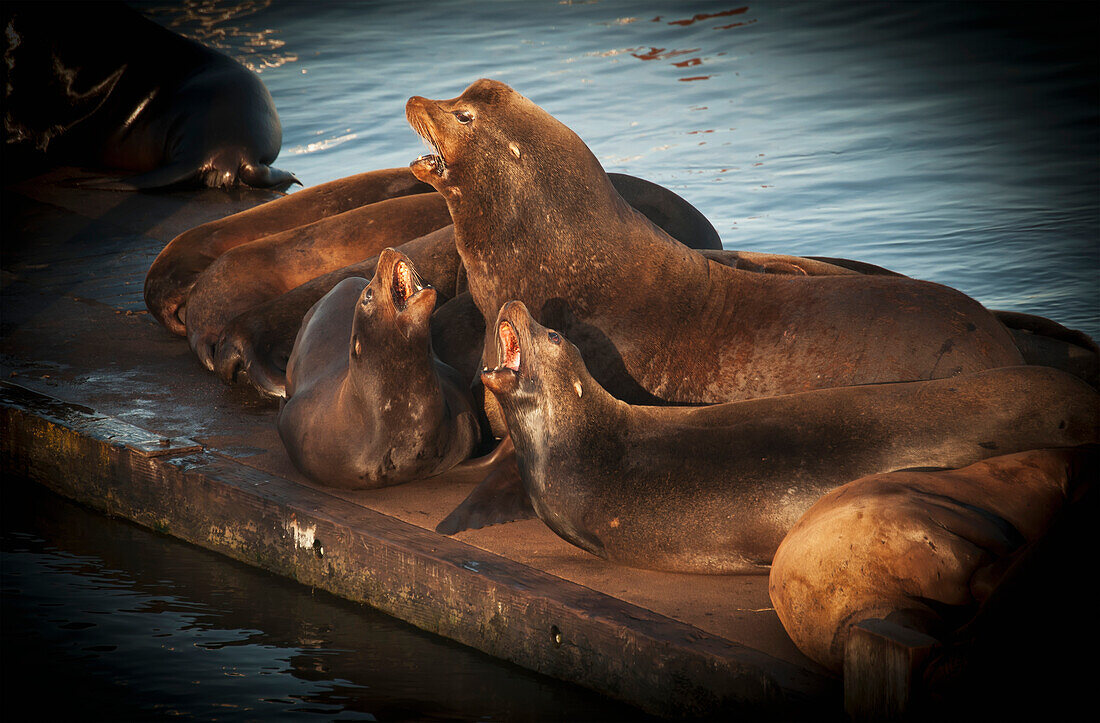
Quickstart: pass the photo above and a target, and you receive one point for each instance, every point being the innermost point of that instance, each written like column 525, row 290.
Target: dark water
column 957, row 142
column 105, row 620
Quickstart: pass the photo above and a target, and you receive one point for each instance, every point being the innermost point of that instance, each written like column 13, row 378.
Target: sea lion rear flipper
column 499, row 498
column 261, row 175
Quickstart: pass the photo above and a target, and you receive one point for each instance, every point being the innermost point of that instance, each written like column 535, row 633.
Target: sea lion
column 252, row 273
column 262, row 337
column 101, row 84
column 920, row 548
column 714, row 489
column 173, row 273
column 368, row 403
column 537, row 219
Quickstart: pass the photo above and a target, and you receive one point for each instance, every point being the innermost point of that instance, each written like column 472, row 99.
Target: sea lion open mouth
column 509, row 346
column 434, row 161
column 405, row 285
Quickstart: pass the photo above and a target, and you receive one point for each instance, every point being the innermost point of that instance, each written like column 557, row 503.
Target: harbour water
column 105, row 620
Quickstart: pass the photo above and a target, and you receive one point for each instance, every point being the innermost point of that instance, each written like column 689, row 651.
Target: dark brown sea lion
column 98, row 83
column 537, row 219
column 261, row 339
column 715, row 489
column 251, row 273
column 369, row 404
column 920, row 548
column 173, row 273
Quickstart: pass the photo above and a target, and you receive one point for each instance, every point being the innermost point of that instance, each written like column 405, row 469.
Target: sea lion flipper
column 498, row 499
column 261, row 175
column 234, row 353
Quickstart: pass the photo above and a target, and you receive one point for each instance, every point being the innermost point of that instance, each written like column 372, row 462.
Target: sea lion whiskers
column 436, row 159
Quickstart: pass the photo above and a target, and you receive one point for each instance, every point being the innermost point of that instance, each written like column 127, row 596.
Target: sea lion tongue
column 509, row 342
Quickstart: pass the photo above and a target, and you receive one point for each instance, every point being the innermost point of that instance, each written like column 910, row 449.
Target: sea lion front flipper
column 499, row 498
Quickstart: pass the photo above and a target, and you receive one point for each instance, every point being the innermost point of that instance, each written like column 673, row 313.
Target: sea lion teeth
column 433, row 161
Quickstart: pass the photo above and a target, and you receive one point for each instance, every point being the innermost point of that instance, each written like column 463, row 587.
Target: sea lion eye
column 368, row 294
column 463, row 116
column 554, row 337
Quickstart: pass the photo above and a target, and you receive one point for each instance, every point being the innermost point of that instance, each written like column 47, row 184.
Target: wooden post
column 882, row 666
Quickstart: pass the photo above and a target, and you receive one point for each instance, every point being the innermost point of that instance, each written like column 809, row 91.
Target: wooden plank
column 499, row 606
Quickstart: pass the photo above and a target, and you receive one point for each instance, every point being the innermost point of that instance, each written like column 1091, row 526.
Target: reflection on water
column 224, row 26
column 956, row 142
column 103, row 619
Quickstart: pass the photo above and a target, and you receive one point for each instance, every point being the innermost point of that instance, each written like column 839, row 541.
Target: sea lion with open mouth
column 369, row 404
column 714, row 489
column 537, row 219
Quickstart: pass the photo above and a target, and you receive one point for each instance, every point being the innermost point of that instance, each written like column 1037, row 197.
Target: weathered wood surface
column 74, row 329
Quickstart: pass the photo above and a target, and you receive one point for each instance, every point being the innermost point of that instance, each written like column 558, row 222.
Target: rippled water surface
column 957, row 142
column 104, row 620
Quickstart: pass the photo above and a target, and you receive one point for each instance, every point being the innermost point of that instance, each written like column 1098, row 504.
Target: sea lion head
column 495, row 145
column 541, row 378
column 393, row 313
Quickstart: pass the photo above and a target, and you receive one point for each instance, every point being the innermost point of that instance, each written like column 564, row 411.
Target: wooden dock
column 103, row 405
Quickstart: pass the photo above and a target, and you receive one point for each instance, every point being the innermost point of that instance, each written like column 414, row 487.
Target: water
column 105, row 620
column 955, row 142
